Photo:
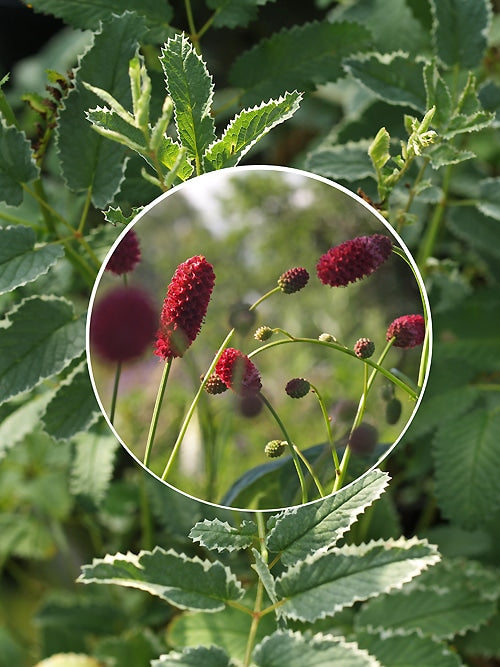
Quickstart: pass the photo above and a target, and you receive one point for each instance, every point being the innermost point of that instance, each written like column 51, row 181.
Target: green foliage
column 16, row 164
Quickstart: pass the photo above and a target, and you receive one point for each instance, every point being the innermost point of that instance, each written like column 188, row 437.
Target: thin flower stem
column 114, row 396
column 390, row 376
column 319, row 486
column 85, row 211
column 434, row 227
column 258, row 596
column 156, row 411
column 293, row 451
column 328, row 425
column 263, row 297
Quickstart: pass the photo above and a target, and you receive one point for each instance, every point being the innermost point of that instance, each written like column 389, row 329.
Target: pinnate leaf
column 247, row 128
column 16, row 164
column 444, row 154
column 20, row 261
column 40, row 337
column 298, row 58
column 467, row 459
column 438, row 95
column 233, row 13
column 460, row 29
column 22, row 421
column 110, row 124
column 395, row 77
column 285, row 648
column 220, row 536
column 489, row 197
column 323, row 584
column 301, row 531
column 349, row 162
column 93, row 465
column 476, row 229
column 87, row 14
column 88, row 160
column 186, row 583
column 198, row 656
column 408, row 650
column 190, row 86
column 116, row 216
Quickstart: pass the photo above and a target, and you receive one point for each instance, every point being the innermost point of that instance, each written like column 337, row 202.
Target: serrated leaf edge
column 231, row 530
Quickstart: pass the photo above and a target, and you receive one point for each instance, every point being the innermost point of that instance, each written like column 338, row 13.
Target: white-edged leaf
column 39, row 337
column 220, row 536
column 116, row 216
column 321, row 585
column 248, row 127
column 169, row 153
column 460, row 30
column 20, row 261
column 262, row 569
column 476, row 229
column 349, row 161
column 190, row 86
column 395, row 78
column 234, row 13
column 110, row 124
column 198, row 656
column 439, row 614
column 92, row 467
column 408, row 650
column 16, row 164
column 444, row 154
column 22, row 421
column 300, row 531
column 483, row 642
column 285, row 648
column 489, row 197
column 438, row 95
column 73, row 407
column 186, row 583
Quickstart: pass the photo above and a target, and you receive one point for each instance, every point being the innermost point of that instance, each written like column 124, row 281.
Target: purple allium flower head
column 293, row 280
column 238, row 372
column 184, row 307
column 126, row 255
column 408, row 330
column 122, row 324
column 353, row 259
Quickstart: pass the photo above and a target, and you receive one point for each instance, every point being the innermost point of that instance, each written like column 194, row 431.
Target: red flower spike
column 238, row 372
column 184, row 307
column 293, row 280
column 126, row 255
column 122, row 324
column 408, row 330
column 354, row 259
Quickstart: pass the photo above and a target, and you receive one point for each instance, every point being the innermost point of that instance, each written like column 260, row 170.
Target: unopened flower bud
column 275, row 448
column 263, row 333
column 297, row 387
column 293, row 280
column 364, row 348
column 214, row 385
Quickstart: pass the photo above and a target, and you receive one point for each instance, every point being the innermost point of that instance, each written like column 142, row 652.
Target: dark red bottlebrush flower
column 364, row 348
column 126, row 255
column 408, row 330
column 238, row 372
column 184, row 307
column 353, row 259
column 293, row 280
column 297, row 387
column 122, row 324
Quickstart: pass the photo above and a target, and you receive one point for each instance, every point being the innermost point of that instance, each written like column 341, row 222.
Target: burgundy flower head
column 293, row 280
column 184, row 307
column 126, row 255
column 364, row 348
column 353, row 259
column 238, row 372
column 122, row 324
column 408, row 330
column 297, row 387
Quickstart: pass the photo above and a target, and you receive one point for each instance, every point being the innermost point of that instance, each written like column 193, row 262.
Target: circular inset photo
column 258, row 338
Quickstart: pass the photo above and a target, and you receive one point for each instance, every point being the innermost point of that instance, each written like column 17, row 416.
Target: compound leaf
column 110, row 124
column 298, row 58
column 199, row 656
column 301, row 531
column 443, row 154
column 467, row 457
column 40, row 337
column 20, row 261
column 220, row 536
column 190, row 86
column 88, row 160
column 22, row 421
column 395, row 78
column 285, row 648
column 323, row 584
column 476, row 229
column 86, row 14
column 186, row 583
column 408, row 650
column 16, row 164
column 247, row 128
column 349, row 161
column 460, row 29
column 489, row 197
column 93, row 465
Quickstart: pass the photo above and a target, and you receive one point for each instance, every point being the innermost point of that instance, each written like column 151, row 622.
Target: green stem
column 156, row 411
column 328, row 424
column 115, row 392
column 376, row 366
column 293, row 452
column 258, row 596
column 432, row 232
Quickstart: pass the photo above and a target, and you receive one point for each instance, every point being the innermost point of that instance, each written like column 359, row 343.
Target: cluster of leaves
column 434, row 84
